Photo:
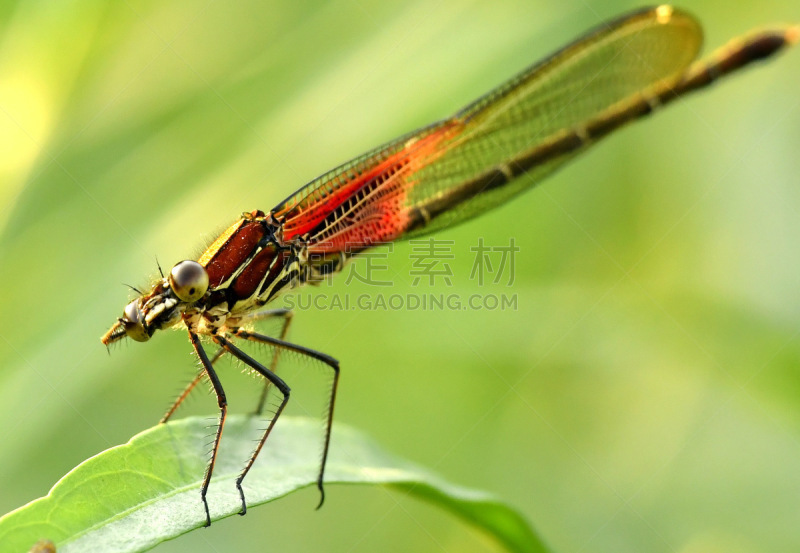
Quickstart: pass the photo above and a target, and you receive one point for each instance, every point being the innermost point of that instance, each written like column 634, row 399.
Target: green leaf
column 135, row 496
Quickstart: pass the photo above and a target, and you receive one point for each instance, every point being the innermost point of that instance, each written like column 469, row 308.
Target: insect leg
column 286, row 315
column 222, row 402
column 274, row 379
column 186, row 391
column 328, row 361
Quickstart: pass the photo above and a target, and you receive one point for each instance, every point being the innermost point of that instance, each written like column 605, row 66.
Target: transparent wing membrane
column 430, row 175
column 620, row 62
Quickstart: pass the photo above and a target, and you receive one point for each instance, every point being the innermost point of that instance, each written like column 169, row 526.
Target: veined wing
column 509, row 139
column 520, row 128
column 309, row 210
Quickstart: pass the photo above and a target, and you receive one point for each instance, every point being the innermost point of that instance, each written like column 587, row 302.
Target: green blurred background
column 645, row 396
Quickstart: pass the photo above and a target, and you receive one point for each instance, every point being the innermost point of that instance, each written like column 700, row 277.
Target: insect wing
column 460, row 167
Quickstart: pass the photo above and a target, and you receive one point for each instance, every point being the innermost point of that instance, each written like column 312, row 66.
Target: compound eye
column 188, row 280
column 134, row 326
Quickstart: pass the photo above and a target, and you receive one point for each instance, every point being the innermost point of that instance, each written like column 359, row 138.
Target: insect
column 438, row 176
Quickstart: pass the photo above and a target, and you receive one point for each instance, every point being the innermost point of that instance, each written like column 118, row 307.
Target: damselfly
column 487, row 153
